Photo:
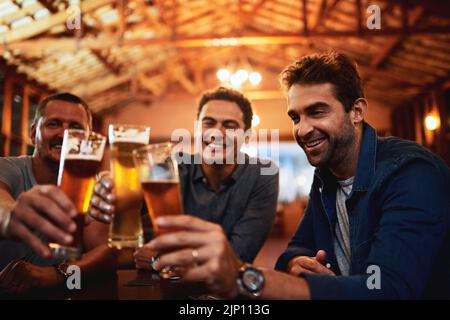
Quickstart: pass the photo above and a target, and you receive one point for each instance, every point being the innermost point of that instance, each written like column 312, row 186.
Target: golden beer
column 158, row 173
column 81, row 156
column 126, row 227
column 162, row 199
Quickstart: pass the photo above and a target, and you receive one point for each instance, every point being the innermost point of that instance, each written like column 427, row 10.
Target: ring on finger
column 194, row 254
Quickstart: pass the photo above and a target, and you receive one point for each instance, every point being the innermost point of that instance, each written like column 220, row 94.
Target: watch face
column 253, row 280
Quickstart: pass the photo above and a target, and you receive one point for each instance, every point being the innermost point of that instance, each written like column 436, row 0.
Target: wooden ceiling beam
column 324, row 14
column 43, row 25
column 52, row 44
column 393, row 42
column 47, row 4
column 104, row 60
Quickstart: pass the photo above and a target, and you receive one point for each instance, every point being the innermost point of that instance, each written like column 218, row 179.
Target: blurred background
column 147, row 62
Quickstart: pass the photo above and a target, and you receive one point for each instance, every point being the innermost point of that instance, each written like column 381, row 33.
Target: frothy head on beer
column 221, row 113
column 53, row 115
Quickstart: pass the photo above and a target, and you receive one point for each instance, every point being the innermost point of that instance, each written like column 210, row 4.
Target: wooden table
column 124, row 285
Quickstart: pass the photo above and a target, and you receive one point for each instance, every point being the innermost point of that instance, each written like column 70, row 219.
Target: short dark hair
column 335, row 68
column 227, row 94
column 65, row 96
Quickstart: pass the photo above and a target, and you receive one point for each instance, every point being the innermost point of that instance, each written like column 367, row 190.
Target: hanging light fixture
column 239, row 72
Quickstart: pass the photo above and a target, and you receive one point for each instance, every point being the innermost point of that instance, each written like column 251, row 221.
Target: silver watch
column 250, row 281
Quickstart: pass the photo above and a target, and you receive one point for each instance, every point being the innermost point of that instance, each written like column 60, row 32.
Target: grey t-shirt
column 342, row 247
column 17, row 174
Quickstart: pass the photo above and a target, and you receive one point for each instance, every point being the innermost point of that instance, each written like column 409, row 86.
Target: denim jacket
column 399, row 222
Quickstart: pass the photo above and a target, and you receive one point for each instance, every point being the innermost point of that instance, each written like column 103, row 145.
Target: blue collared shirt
column 244, row 205
column 399, row 217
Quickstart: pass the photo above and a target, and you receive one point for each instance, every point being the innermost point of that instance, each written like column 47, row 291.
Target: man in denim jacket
column 377, row 222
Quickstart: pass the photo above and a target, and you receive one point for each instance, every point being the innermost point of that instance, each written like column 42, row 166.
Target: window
column 19, row 99
column 295, row 172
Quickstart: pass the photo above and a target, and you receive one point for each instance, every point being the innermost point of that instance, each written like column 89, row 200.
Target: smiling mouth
column 314, row 143
column 57, row 147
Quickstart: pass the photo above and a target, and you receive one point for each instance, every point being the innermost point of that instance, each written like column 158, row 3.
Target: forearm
column 99, row 260
column 281, row 286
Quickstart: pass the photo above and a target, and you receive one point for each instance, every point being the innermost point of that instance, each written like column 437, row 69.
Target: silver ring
column 5, row 220
column 194, row 254
column 153, row 262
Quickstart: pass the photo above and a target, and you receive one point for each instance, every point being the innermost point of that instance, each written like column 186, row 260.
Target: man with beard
column 377, row 221
column 240, row 198
column 33, row 209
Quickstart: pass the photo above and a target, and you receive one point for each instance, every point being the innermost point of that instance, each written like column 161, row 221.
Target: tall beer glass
column 158, row 172
column 126, row 227
column 81, row 155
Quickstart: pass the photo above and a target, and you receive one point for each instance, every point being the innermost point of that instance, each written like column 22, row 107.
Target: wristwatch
column 250, row 281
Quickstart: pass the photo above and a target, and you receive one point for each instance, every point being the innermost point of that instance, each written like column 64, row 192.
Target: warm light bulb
column 223, row 74
column 431, row 122
column 255, row 120
column 255, row 78
column 242, row 74
column 235, row 80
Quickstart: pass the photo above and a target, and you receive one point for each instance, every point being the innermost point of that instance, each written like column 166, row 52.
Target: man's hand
column 143, row 257
column 202, row 248
column 19, row 277
column 102, row 201
column 306, row 264
column 45, row 208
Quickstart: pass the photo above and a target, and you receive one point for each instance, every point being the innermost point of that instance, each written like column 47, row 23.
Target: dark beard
column 341, row 146
column 338, row 147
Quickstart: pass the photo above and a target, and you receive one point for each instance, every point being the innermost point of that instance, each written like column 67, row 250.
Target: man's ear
column 33, row 133
column 359, row 110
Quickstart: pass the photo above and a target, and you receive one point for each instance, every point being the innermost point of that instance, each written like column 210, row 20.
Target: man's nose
column 304, row 129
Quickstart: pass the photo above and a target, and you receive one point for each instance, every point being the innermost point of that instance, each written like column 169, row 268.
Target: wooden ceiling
column 128, row 50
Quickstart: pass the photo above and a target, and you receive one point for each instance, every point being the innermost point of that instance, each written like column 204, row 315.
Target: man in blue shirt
column 377, row 222
column 240, row 196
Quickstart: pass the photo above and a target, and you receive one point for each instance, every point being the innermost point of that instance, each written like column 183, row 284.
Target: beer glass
column 81, row 155
column 126, row 227
column 158, row 172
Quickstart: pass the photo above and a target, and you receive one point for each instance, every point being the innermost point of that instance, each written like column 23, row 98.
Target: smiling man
column 377, row 224
column 38, row 211
column 236, row 197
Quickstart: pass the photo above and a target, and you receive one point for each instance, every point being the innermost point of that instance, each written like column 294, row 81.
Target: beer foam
column 130, row 136
column 74, row 149
column 94, row 157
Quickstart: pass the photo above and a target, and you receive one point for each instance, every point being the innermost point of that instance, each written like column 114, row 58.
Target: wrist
column 250, row 281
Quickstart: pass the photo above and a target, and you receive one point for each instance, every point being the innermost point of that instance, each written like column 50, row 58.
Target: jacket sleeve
column 302, row 244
